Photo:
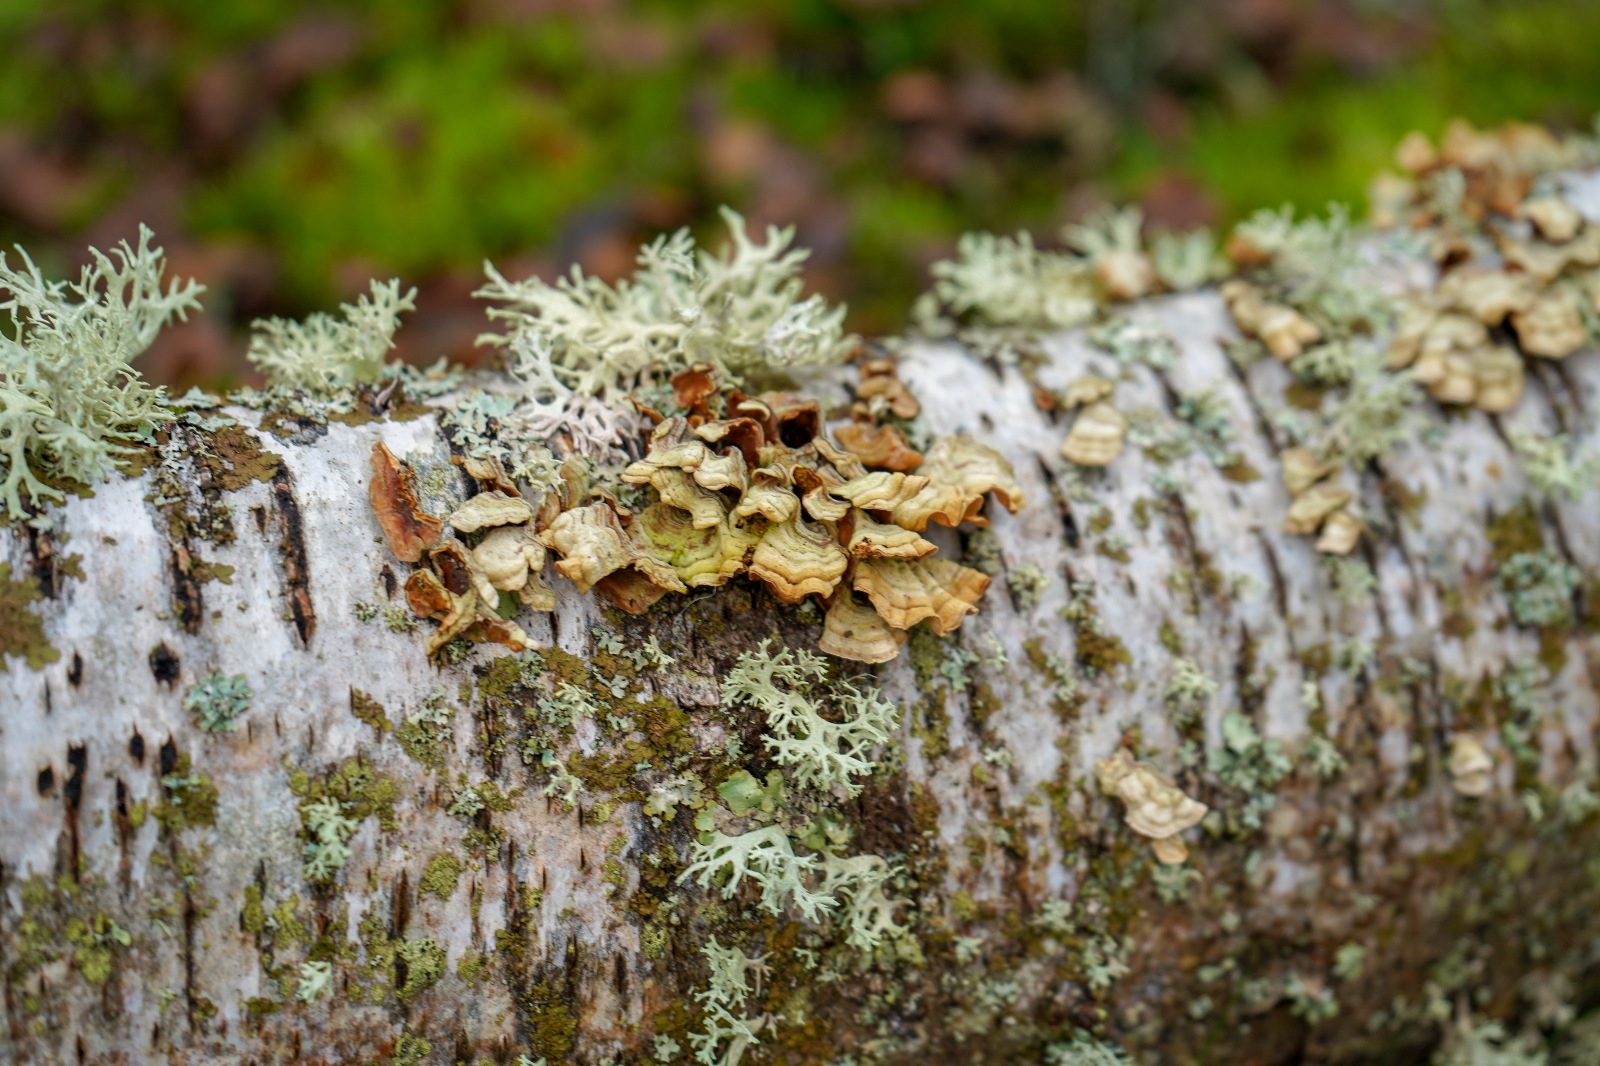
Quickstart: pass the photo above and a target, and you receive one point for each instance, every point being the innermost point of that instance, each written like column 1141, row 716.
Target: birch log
column 145, row 917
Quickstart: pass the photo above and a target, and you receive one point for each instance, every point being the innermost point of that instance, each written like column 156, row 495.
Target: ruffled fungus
column 1156, row 807
column 1096, row 435
column 1471, row 767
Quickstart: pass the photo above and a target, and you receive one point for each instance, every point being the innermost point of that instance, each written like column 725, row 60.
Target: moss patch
column 441, row 876
column 364, row 792
column 253, row 916
column 550, row 1023
column 422, row 963
column 188, row 799
column 1101, row 653
column 236, row 458
column 369, row 710
column 1515, row 531
column 22, row 631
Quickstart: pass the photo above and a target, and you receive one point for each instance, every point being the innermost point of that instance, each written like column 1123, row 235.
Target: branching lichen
column 766, row 857
column 1007, row 281
column 1554, row 466
column 70, row 403
column 323, row 354
column 330, row 829
column 740, row 311
column 822, row 753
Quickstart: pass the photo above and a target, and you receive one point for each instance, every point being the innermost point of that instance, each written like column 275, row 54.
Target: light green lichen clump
column 766, row 857
column 1554, row 466
column 70, row 403
column 323, row 354
column 740, row 311
column 330, row 830
column 219, row 700
column 1007, row 281
column 821, row 753
column 1539, row 588
column 732, row 972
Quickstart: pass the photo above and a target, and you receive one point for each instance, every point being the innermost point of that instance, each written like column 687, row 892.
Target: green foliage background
column 289, row 150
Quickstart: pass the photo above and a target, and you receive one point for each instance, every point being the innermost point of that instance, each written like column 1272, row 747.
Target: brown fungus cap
column 392, row 492
column 906, row 591
column 853, row 630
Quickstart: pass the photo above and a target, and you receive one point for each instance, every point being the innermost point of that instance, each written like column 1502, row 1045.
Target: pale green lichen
column 1349, row 962
column 563, row 784
column 740, row 311
column 1554, row 466
column 218, row 699
column 330, row 830
column 732, row 972
column 315, row 977
column 1352, row 578
column 70, row 403
column 1376, row 411
column 513, row 428
column 1324, row 757
column 668, row 794
column 1248, row 764
column 1131, row 342
column 1082, row 1049
column 857, row 883
column 766, row 858
column 1188, row 692
column 1187, row 260
column 466, row 804
column 821, row 753
column 1310, row 1000
column 1007, row 281
column 1539, row 588
column 426, row 731
column 1473, row 1042
column 1318, row 262
column 1026, row 583
column 324, row 354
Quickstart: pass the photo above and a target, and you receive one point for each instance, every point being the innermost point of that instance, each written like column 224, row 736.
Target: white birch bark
column 1385, row 856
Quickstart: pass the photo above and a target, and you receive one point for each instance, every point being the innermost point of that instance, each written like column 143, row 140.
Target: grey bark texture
column 139, row 925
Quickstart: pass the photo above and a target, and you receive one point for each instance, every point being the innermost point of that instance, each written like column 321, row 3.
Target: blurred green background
column 285, row 152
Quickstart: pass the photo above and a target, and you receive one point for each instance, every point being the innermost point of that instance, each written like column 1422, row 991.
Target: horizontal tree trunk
column 155, row 907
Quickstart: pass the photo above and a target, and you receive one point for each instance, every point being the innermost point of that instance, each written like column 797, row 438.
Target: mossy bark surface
column 153, row 900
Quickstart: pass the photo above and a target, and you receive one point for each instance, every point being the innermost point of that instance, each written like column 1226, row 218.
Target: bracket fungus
column 744, row 486
column 1096, row 435
column 1552, row 326
column 879, row 447
column 1156, row 807
column 492, row 508
column 461, row 586
column 1285, row 331
column 392, row 492
column 1471, row 767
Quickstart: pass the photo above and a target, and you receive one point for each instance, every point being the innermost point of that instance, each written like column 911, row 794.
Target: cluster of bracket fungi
column 752, row 486
column 1517, row 276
